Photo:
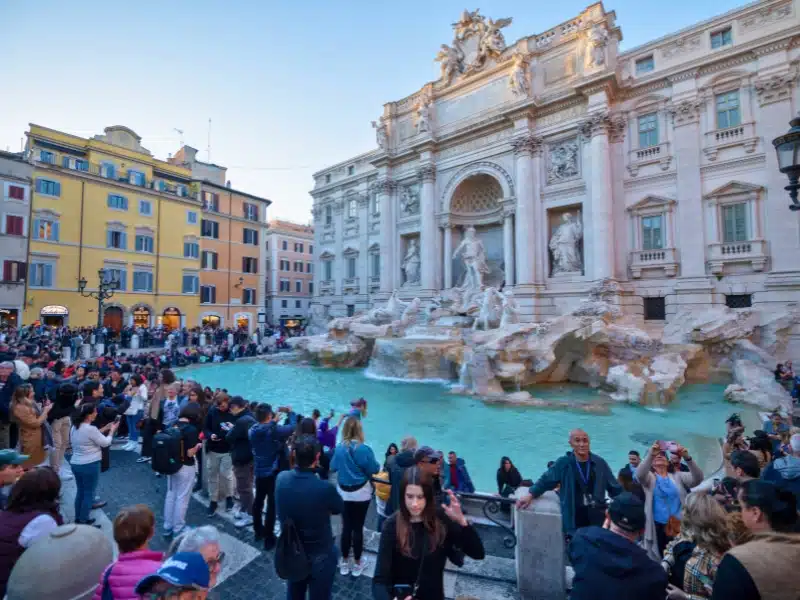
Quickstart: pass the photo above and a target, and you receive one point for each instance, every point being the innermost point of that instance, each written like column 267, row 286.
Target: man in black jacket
column 242, row 458
column 9, row 381
column 608, row 563
column 397, row 466
column 309, row 502
column 219, row 469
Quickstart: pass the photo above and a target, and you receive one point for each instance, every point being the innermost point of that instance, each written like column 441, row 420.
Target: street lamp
column 788, row 148
column 105, row 290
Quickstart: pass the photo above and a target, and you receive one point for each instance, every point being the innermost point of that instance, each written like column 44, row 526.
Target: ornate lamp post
column 105, row 290
column 788, row 148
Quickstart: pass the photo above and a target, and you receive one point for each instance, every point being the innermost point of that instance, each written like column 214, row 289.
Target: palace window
column 191, row 249
column 250, row 211
column 145, row 208
column 211, row 201
column 328, row 270
column 135, row 177
column 645, row 65
column 14, row 225
column 328, row 215
column 47, row 157
column 208, row 294
column 728, row 110
column 144, row 243
column 298, row 247
column 298, row 286
column 45, row 229
column 311, row 287
column 652, row 232
column 284, row 303
column 375, row 264
column 209, row 229
column 376, row 207
column 209, row 260
column 352, row 208
column 328, row 178
column 42, row 274
column 308, row 268
column 13, row 271
column 734, row 222
column 48, row 187
column 723, row 37
column 16, row 192
column 250, row 236
column 116, row 239
column 117, row 202
column 351, row 170
column 142, row 281
column 298, row 304
column 285, row 285
column 655, row 309
column 284, row 245
column 249, row 264
column 310, row 249
column 738, row 300
column 351, row 310
column 351, row 267
column 108, row 170
column 648, row 130
column 119, row 275
column 248, row 296
column 191, row 217
column 190, row 283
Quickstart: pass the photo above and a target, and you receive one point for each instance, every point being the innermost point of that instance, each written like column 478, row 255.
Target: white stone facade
column 15, row 209
column 661, row 156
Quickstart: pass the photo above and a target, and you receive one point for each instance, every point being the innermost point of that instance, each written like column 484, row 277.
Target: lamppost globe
column 82, row 284
column 787, row 147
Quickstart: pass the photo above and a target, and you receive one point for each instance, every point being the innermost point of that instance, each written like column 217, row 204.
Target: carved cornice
column 509, row 209
column 363, row 200
column 775, row 88
column 384, row 186
column 683, row 76
column 774, row 47
column 338, row 207
column 685, row 112
column 427, row 172
column 619, row 124
column 743, row 58
column 527, row 145
column 598, row 123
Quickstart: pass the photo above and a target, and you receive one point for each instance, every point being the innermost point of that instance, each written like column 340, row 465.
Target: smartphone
column 118, row 418
column 402, row 591
column 667, row 446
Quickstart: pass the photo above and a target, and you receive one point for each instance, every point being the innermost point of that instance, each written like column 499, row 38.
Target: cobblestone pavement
column 248, row 573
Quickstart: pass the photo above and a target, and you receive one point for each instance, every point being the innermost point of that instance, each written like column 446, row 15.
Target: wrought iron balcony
column 665, row 259
column 753, row 252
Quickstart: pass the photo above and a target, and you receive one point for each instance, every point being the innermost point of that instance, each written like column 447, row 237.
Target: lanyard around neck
column 584, row 478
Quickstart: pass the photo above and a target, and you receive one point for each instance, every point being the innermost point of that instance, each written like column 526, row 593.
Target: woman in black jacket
column 416, row 540
column 508, row 478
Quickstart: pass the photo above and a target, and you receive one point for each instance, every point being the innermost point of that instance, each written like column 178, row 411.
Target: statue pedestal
column 202, row 340
column 135, row 341
column 230, row 340
column 99, row 348
column 86, row 351
column 66, row 354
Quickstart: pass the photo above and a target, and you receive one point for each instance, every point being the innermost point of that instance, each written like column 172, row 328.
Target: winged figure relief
column 467, row 23
column 451, row 59
column 492, row 41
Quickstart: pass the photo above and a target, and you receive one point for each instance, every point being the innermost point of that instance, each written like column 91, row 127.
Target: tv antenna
column 180, row 133
column 208, row 148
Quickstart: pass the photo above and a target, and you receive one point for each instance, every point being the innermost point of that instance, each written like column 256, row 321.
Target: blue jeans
column 133, row 420
column 320, row 583
column 86, row 478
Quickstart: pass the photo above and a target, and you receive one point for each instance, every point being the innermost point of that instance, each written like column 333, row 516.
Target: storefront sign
column 55, row 310
column 141, row 312
column 262, row 317
column 172, row 312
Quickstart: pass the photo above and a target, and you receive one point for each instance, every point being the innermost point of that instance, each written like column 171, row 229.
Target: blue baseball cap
column 184, row 570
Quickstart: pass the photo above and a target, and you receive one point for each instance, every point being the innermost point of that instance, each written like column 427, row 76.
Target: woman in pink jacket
column 133, row 529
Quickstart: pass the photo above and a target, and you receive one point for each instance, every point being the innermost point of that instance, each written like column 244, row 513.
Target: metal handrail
column 491, row 506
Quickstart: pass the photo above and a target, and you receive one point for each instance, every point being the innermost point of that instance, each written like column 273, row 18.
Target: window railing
column 749, row 251
column 743, row 134
column 655, row 258
column 659, row 153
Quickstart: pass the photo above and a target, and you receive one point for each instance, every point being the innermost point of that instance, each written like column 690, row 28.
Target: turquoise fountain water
column 479, row 433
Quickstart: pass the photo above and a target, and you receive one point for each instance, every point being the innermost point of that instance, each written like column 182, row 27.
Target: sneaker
column 243, row 521
column 344, row 566
column 358, row 567
column 212, row 509
column 143, row 459
column 228, row 504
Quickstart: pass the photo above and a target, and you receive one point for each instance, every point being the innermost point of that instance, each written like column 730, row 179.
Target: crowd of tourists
column 647, row 531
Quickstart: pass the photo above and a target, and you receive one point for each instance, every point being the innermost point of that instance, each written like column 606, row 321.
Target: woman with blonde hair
column 355, row 462
column 705, row 525
column 35, row 436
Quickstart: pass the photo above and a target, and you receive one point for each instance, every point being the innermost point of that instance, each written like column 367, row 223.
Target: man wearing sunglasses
column 183, row 576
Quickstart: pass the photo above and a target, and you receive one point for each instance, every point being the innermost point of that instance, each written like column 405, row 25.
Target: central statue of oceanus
column 474, row 257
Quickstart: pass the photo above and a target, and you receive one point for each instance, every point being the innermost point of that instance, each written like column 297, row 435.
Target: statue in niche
column 423, row 115
column 409, row 202
column 596, row 50
column 510, row 314
column 474, row 257
column 563, row 161
column 518, row 79
column 565, row 245
column 451, row 59
column 411, row 263
column 381, row 136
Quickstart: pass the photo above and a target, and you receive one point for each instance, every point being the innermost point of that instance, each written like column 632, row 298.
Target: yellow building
column 107, row 203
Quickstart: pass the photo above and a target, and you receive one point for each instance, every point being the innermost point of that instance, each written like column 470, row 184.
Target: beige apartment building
column 290, row 273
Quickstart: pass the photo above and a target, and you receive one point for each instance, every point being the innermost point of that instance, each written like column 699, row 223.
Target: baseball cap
column 12, row 457
column 184, row 569
column 627, row 512
column 427, row 454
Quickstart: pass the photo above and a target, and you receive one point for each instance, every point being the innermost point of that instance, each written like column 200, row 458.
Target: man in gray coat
column 585, row 478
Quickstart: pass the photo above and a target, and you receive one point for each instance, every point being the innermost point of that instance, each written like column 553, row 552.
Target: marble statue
column 563, row 161
column 411, row 263
column 380, row 315
column 565, row 245
column 317, row 320
column 423, row 115
column 452, row 61
column 409, row 202
column 492, row 41
column 411, row 313
column 474, row 257
column 467, row 24
column 596, row 49
column 488, row 309
column 380, row 134
column 510, row 308
column 518, row 79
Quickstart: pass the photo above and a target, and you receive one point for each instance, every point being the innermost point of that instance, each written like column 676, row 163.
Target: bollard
column 66, row 354
column 86, row 351
column 202, row 340
column 539, row 552
column 135, row 341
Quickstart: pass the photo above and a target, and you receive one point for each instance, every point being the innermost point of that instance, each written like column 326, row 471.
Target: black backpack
column 291, row 560
column 168, row 451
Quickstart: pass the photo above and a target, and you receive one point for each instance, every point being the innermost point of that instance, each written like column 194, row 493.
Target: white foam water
column 374, row 376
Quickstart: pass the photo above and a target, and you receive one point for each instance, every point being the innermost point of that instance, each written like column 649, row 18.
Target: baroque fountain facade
column 557, row 210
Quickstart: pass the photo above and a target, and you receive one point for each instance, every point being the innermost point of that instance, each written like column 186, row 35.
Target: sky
column 290, row 86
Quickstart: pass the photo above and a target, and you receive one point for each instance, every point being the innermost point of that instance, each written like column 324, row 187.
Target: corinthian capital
column 775, row 88
column 427, row 172
column 529, row 145
column 619, row 124
column 685, row 112
column 597, row 123
column 384, row 186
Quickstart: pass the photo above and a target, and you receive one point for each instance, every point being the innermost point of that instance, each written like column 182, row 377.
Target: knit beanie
column 67, row 565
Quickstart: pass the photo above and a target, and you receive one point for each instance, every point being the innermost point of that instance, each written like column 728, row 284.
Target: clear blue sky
column 290, row 86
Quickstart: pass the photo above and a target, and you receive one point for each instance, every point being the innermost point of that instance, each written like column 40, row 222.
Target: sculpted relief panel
column 563, row 161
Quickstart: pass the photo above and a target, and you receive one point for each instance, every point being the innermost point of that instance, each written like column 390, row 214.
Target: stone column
column 363, row 250
column 780, row 224
column 338, row 264
column 427, row 176
column 596, row 127
column 508, row 243
column 528, row 245
column 384, row 188
column 686, row 150
column 447, row 256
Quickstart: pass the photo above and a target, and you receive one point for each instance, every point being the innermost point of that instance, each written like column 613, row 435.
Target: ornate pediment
column 476, row 39
column 734, row 188
column 651, row 201
column 326, row 255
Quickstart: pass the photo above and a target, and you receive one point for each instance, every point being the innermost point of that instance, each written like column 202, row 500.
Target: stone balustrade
column 664, row 259
column 740, row 135
column 659, row 153
column 753, row 252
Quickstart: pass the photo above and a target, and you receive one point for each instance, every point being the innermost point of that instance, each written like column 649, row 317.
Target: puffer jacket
column 129, row 569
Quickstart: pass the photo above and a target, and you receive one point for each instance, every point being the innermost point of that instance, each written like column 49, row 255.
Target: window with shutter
column 734, row 217
column 15, row 225
column 651, row 233
column 16, row 192
column 48, row 187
